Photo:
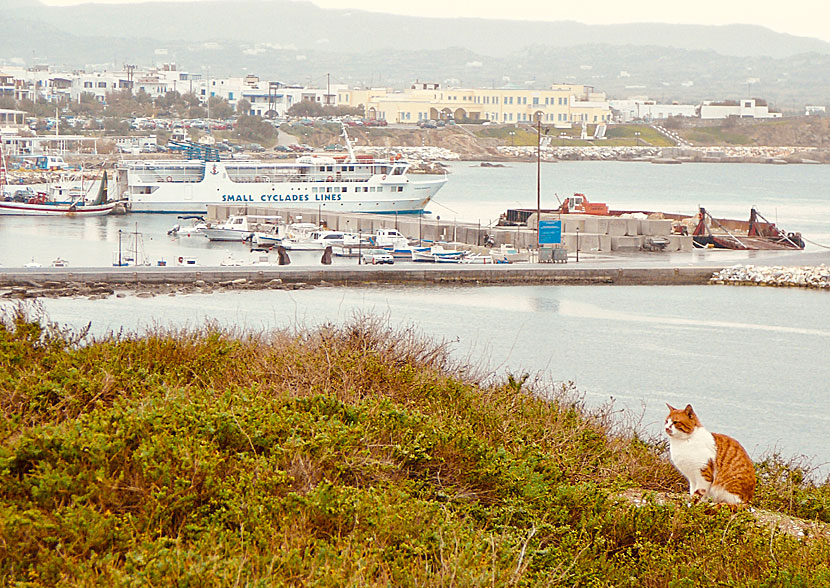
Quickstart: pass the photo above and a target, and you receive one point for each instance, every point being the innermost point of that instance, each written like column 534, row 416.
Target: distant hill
column 299, row 42
column 306, row 26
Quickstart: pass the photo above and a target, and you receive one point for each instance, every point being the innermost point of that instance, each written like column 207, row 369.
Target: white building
column 747, row 108
column 264, row 96
column 97, row 84
column 648, row 110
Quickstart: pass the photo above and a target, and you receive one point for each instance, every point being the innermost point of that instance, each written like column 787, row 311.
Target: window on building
column 535, row 101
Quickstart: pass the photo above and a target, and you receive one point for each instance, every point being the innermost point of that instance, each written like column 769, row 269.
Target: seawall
column 515, row 274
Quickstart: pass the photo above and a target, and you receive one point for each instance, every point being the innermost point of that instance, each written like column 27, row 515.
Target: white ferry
column 339, row 184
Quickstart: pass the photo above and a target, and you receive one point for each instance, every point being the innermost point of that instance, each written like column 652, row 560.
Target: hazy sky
column 807, row 18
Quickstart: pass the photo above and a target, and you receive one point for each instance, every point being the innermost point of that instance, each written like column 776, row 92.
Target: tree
column 254, row 128
column 342, row 110
column 40, row 109
column 243, row 106
column 87, row 104
column 219, row 107
column 305, row 108
column 116, row 126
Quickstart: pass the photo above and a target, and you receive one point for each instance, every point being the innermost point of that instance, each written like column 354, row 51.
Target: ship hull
column 190, row 187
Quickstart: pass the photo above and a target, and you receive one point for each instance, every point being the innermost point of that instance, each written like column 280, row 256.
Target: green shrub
column 348, row 455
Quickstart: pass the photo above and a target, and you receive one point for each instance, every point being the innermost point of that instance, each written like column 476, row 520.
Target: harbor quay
column 427, row 228
column 586, row 233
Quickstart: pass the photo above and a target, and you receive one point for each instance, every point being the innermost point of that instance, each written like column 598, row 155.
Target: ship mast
column 3, row 171
column 352, row 157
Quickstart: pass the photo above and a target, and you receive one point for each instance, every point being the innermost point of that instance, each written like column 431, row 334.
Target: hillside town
column 86, row 117
column 557, row 104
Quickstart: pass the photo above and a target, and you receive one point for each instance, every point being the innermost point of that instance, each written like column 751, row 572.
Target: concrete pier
column 588, row 233
column 421, row 227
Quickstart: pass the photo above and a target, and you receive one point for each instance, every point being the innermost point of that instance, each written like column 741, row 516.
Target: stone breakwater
column 817, row 277
column 598, row 153
column 101, row 290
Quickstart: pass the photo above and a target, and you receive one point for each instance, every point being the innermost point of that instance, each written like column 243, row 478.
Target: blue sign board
column 550, row 232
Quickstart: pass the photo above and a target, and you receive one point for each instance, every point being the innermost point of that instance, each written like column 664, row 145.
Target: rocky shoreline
column 814, row 277
column 102, row 290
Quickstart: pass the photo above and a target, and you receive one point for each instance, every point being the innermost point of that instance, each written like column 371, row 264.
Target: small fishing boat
column 477, row 259
column 437, row 254
column 27, row 202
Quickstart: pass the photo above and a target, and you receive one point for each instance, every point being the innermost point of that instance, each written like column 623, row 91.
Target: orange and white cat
column 717, row 466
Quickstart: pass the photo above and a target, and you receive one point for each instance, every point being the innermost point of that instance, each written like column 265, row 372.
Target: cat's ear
column 690, row 412
column 671, row 408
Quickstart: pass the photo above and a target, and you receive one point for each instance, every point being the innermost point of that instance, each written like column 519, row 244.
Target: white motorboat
column 197, row 223
column 320, row 239
column 238, row 228
column 353, row 183
column 271, row 236
column 389, row 238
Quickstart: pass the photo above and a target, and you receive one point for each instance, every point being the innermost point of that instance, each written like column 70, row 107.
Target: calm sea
column 753, row 361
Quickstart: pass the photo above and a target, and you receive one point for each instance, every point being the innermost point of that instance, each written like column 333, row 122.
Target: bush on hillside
column 345, row 455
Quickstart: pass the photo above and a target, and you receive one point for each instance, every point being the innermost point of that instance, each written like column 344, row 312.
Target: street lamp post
column 538, row 181
column 577, row 244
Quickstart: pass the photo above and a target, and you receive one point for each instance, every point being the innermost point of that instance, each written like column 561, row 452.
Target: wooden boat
column 30, row 203
column 437, row 254
column 757, row 233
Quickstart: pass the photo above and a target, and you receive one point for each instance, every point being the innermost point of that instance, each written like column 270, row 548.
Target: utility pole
column 538, row 180
column 328, row 89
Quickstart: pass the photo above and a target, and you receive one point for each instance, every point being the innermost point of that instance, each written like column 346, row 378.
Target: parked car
column 378, row 256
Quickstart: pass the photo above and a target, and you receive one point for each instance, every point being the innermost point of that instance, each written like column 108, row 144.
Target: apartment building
column 267, row 98
column 561, row 104
column 747, row 108
column 648, row 110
